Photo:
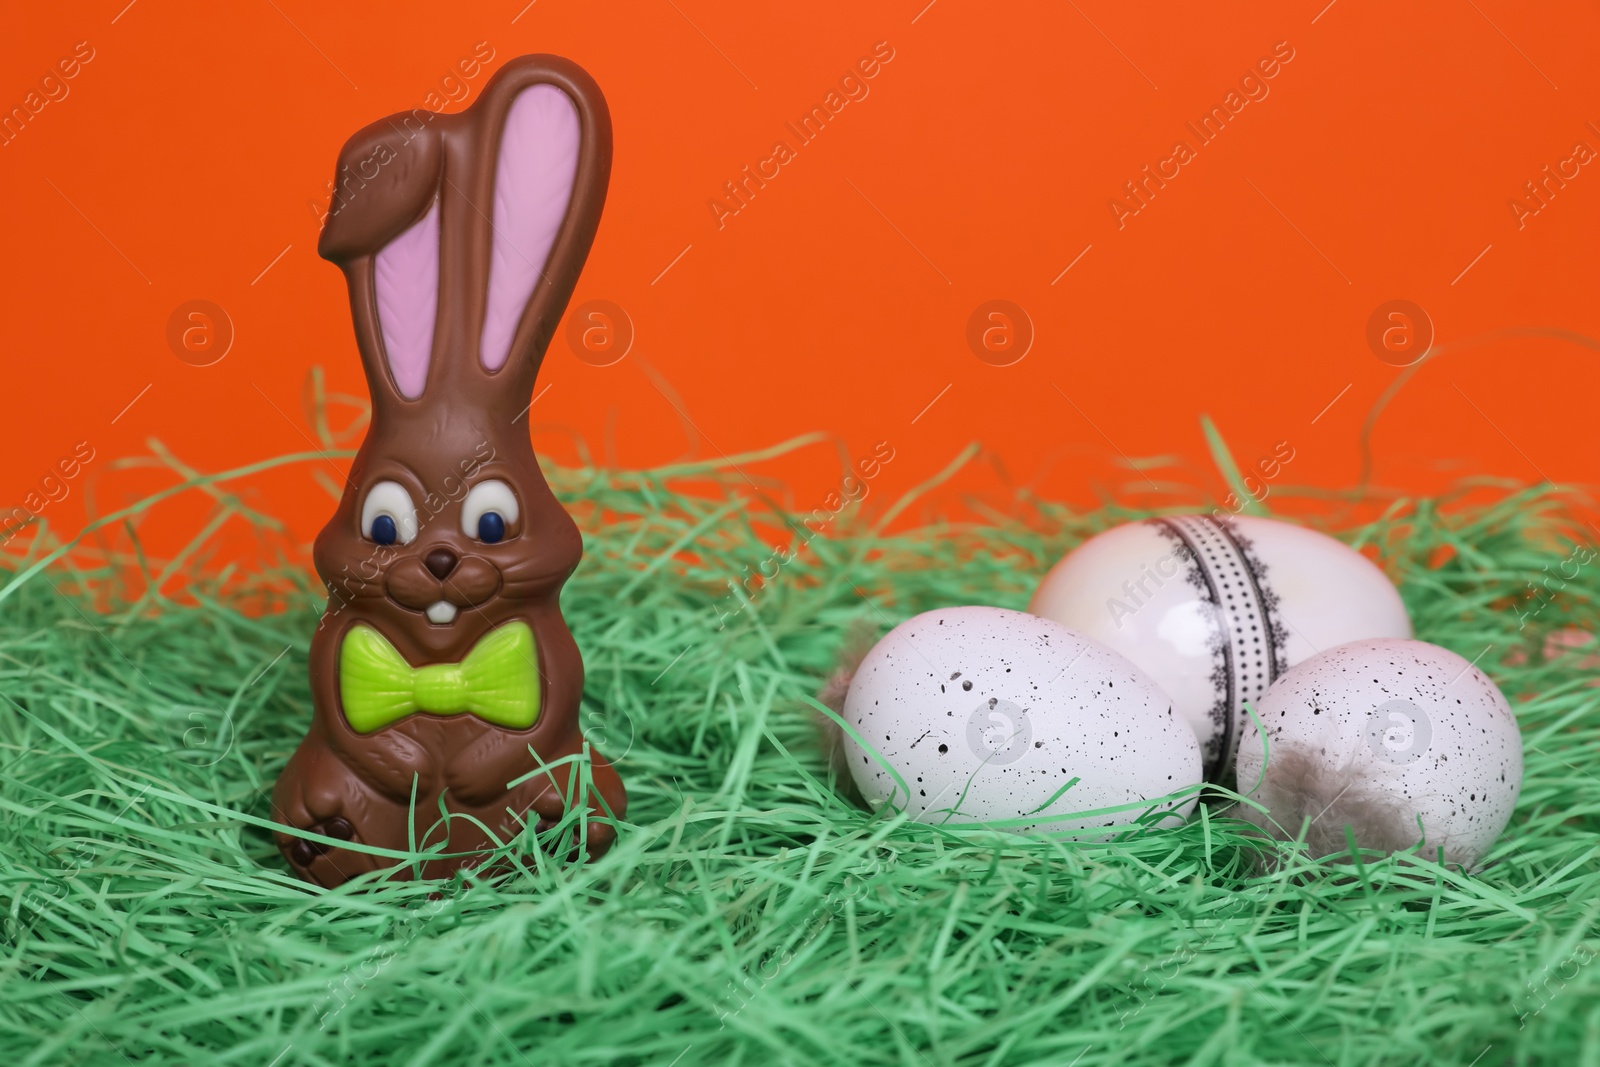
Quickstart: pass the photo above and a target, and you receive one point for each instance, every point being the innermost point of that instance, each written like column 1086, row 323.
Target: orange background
column 194, row 147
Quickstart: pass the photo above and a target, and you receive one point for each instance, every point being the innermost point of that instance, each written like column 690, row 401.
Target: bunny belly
column 415, row 749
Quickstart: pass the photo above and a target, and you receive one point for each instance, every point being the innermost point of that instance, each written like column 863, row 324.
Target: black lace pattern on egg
column 1247, row 636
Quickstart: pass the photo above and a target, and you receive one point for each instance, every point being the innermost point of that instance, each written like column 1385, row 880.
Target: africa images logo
column 999, row 731
column 1398, row 732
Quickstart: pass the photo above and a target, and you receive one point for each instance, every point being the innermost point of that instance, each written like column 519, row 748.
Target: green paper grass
column 748, row 914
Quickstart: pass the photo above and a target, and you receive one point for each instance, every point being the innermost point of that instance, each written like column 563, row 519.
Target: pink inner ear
column 532, row 187
column 407, row 280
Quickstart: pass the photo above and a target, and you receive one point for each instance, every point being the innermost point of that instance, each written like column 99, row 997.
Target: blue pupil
column 384, row 530
column 491, row 527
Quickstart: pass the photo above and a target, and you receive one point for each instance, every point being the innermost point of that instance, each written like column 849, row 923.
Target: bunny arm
column 389, row 761
column 481, row 772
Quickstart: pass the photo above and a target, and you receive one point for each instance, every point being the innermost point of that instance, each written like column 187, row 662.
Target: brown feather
column 1306, row 799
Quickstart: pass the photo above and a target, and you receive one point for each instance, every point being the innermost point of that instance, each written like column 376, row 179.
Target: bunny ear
column 461, row 236
column 534, row 174
column 383, row 230
column 406, row 278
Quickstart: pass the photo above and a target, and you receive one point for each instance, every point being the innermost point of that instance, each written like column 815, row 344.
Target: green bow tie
column 497, row 682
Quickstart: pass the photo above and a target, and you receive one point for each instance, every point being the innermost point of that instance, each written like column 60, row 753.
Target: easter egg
column 980, row 714
column 1406, row 743
column 1214, row 610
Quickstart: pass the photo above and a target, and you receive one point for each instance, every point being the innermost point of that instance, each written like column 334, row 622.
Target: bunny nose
column 440, row 562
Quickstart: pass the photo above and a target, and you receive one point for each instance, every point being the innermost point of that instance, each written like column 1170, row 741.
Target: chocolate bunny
column 442, row 664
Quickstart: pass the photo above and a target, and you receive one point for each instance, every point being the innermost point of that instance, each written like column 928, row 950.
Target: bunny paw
column 592, row 841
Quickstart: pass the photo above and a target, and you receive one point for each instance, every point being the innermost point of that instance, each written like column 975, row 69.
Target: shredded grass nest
column 749, row 914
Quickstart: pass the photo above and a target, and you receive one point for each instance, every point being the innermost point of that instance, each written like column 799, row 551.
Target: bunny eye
column 387, row 515
column 491, row 527
column 489, row 513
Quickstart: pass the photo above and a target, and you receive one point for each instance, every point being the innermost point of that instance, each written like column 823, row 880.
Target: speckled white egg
column 987, row 714
column 1379, row 735
column 1215, row 609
